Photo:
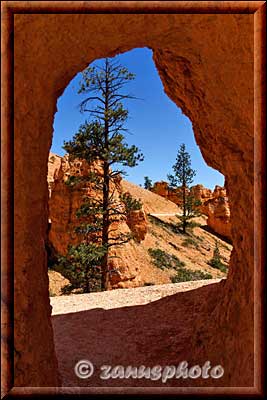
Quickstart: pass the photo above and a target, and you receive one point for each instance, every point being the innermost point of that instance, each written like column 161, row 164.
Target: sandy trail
column 121, row 297
column 152, row 333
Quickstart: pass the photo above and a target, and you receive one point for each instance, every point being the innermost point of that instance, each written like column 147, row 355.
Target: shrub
column 199, row 238
column 82, row 267
column 185, row 274
column 193, row 224
column 190, row 242
column 131, row 204
column 215, row 261
column 164, row 260
column 154, row 233
column 67, row 289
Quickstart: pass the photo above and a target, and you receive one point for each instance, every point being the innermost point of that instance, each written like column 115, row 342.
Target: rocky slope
column 214, row 204
column 153, row 227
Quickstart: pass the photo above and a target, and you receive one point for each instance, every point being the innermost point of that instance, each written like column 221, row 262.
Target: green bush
column 67, row 289
column 199, row 238
column 185, row 274
column 218, row 265
column 193, row 224
column 81, row 266
column 164, row 260
column 131, row 204
column 190, row 242
column 215, row 261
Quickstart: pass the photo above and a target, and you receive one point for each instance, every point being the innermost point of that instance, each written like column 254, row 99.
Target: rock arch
column 205, row 62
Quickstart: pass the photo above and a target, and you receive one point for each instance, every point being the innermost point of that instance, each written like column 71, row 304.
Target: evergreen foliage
column 216, row 262
column 101, row 140
column 148, row 183
column 181, row 179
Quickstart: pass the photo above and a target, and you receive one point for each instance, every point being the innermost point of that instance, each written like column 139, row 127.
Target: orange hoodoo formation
column 214, row 205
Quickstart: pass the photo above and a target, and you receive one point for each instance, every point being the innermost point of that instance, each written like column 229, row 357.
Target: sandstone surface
column 64, row 202
column 130, row 264
column 214, row 204
column 218, row 212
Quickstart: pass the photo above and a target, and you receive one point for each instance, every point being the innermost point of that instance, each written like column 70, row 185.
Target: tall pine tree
column 102, row 140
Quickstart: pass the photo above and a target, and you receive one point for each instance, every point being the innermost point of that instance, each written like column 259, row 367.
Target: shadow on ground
column 210, row 230
column 159, row 333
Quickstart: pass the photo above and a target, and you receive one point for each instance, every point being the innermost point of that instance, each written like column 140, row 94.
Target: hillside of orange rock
column 130, row 264
column 214, row 204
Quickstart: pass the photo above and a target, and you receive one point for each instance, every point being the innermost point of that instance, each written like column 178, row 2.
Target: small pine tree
column 216, row 262
column 181, row 179
column 147, row 183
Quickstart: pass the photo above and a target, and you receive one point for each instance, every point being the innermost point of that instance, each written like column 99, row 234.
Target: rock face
column 137, row 222
column 201, row 193
column 162, row 189
column 207, row 64
column 56, row 283
column 218, row 211
column 64, row 202
column 54, row 163
column 219, row 216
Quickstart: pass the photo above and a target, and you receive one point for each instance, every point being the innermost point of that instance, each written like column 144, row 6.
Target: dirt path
column 164, row 214
column 121, row 297
column 147, row 333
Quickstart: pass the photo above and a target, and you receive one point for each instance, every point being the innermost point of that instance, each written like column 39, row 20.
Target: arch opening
column 163, row 239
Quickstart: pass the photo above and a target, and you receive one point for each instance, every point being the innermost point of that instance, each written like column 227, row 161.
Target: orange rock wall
column 201, row 193
column 215, row 205
column 64, row 202
column 205, row 62
column 218, row 212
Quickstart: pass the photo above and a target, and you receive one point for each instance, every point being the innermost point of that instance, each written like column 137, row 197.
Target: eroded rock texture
column 64, row 203
column 205, row 62
column 214, row 204
column 162, row 189
column 218, row 212
column 201, row 193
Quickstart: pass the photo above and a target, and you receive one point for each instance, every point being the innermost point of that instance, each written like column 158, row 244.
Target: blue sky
column 157, row 126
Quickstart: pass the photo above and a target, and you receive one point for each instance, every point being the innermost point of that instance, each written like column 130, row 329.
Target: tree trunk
column 184, row 209
column 106, row 222
column 105, row 229
column 87, row 283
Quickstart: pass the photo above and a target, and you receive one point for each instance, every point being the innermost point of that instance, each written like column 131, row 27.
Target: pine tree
column 181, row 179
column 216, row 261
column 102, row 140
column 148, row 183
